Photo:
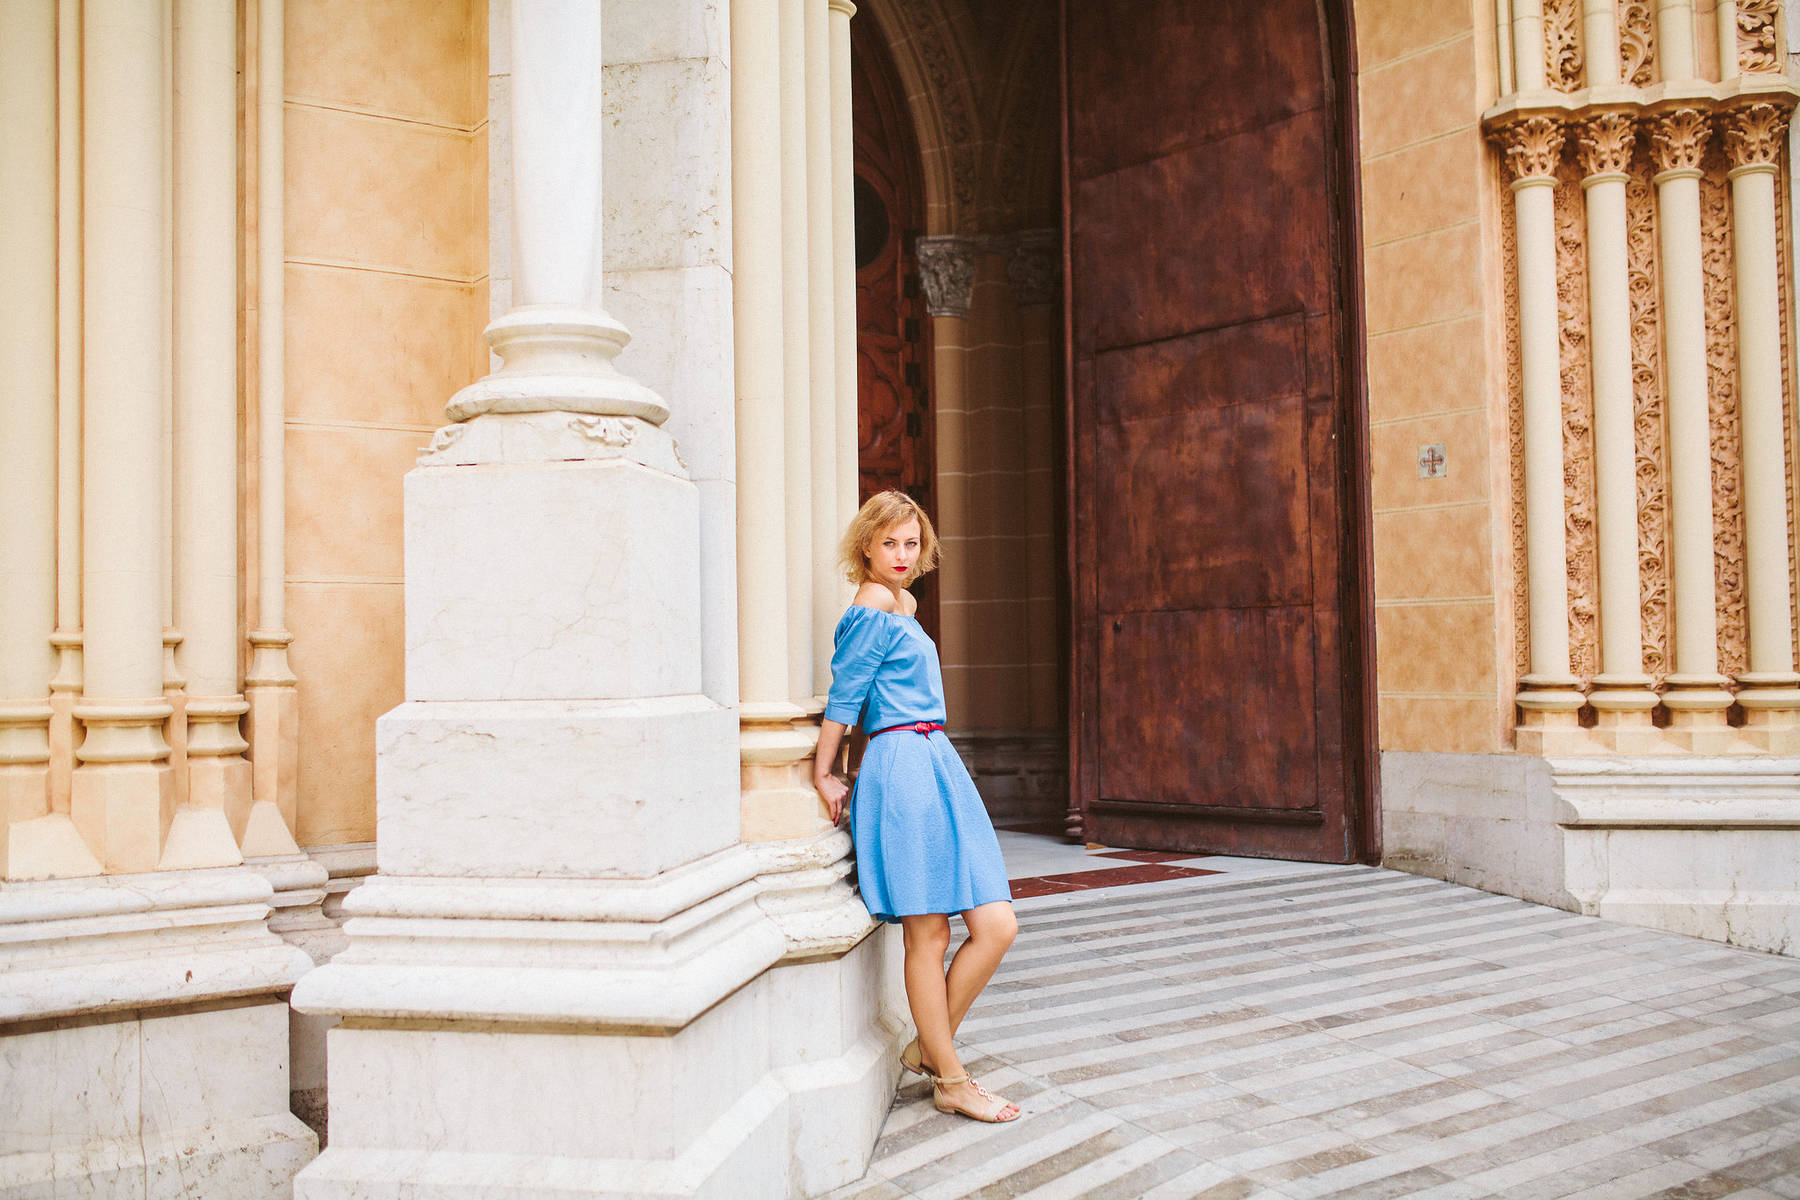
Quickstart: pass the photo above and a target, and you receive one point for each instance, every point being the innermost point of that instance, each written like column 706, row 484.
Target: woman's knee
column 925, row 934
column 993, row 924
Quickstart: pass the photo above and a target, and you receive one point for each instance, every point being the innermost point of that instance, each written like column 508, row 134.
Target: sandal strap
column 947, row 1080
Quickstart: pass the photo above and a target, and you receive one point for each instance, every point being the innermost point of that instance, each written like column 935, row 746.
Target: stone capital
column 947, row 271
column 1034, row 268
column 1755, row 133
column 1678, row 139
column 1532, row 147
column 1605, row 144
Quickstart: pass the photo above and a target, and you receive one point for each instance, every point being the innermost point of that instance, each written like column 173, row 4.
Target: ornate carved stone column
column 1621, row 691
column 1696, row 693
column 1725, row 12
column 947, row 273
column 1754, row 135
column 1547, row 693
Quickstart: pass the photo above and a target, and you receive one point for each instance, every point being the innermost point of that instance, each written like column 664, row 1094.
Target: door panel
column 1215, row 386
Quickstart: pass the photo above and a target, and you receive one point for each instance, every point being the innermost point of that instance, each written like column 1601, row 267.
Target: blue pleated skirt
column 924, row 843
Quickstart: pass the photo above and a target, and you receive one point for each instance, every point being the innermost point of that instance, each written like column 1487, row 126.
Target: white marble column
column 1754, row 136
column 1696, row 693
column 1621, row 691
column 1547, row 693
column 843, row 224
column 123, row 798
column 1600, row 41
column 34, row 840
column 947, row 275
column 558, row 800
column 1725, row 11
column 1528, row 45
column 206, row 435
column 1675, row 40
column 829, row 589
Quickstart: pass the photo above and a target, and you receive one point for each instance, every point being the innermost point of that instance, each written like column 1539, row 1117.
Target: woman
column 924, row 845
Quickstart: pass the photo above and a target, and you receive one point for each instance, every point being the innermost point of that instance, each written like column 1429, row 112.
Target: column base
column 1628, row 730
column 1772, row 730
column 780, row 1089
column 36, row 843
column 1704, row 731
column 124, row 811
column 1551, row 731
column 776, row 743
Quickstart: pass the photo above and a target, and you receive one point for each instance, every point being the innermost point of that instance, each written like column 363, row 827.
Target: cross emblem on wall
column 1433, row 462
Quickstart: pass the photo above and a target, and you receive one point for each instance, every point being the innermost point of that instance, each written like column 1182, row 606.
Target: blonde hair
column 880, row 513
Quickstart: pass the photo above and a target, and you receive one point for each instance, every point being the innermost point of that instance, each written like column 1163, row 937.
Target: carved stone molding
column 947, row 272
column 1532, row 147
column 1582, row 542
column 1034, row 267
column 1725, row 433
column 1637, row 47
column 1562, row 44
column 1755, row 134
column 1647, row 420
column 1678, row 139
column 1606, row 143
column 1756, row 35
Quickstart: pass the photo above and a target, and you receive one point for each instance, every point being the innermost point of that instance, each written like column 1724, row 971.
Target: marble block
column 574, row 789
column 172, row 1080
column 551, row 581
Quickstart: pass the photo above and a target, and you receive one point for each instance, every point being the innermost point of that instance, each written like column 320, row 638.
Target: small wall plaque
column 1433, row 462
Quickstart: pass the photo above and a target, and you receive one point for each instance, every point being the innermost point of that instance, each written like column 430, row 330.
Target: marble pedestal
column 144, row 1039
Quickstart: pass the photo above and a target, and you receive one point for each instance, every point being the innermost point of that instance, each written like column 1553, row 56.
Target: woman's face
column 895, row 551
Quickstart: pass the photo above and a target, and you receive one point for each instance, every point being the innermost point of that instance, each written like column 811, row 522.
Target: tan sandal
column 913, row 1058
column 988, row 1112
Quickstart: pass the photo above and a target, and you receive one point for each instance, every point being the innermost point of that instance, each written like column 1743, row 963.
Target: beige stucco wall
column 386, row 296
column 1436, row 375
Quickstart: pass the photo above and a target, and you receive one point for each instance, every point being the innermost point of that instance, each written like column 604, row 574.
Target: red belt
column 915, row 726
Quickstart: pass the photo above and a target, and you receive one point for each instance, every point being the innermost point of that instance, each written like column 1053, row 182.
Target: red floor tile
column 1078, row 881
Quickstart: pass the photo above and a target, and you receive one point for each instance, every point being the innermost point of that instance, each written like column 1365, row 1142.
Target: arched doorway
column 894, row 414
column 1222, row 610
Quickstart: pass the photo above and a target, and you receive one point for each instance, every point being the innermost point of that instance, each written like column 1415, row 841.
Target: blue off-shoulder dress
column 924, row 843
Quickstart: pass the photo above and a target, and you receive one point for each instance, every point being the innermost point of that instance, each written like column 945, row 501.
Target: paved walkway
column 1288, row 1030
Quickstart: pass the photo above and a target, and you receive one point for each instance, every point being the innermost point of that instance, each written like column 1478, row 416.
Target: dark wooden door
column 893, row 399
column 1220, row 594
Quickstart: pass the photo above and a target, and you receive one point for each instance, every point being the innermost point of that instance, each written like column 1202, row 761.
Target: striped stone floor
column 1289, row 1030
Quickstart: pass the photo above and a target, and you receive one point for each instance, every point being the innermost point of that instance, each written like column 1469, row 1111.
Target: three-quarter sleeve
column 861, row 641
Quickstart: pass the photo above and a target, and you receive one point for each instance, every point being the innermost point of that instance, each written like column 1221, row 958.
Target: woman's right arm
column 831, row 789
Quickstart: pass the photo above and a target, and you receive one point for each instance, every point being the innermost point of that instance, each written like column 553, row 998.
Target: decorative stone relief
column 1783, row 268
column 1515, row 439
column 1532, row 147
column 615, row 432
column 947, row 273
column 1755, row 134
column 1578, row 427
column 1637, row 48
column 1756, row 35
column 1722, row 408
column 1647, row 418
column 1562, row 44
column 1033, row 268
column 1678, row 139
column 1606, row 144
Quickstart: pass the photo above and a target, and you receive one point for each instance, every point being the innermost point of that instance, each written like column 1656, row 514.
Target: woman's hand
column 832, row 791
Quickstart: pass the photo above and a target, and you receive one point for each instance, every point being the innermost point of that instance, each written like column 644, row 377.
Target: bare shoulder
column 909, row 603
column 873, row 595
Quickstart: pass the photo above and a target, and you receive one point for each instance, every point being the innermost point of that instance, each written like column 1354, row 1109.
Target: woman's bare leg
column 992, row 928
column 927, row 937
